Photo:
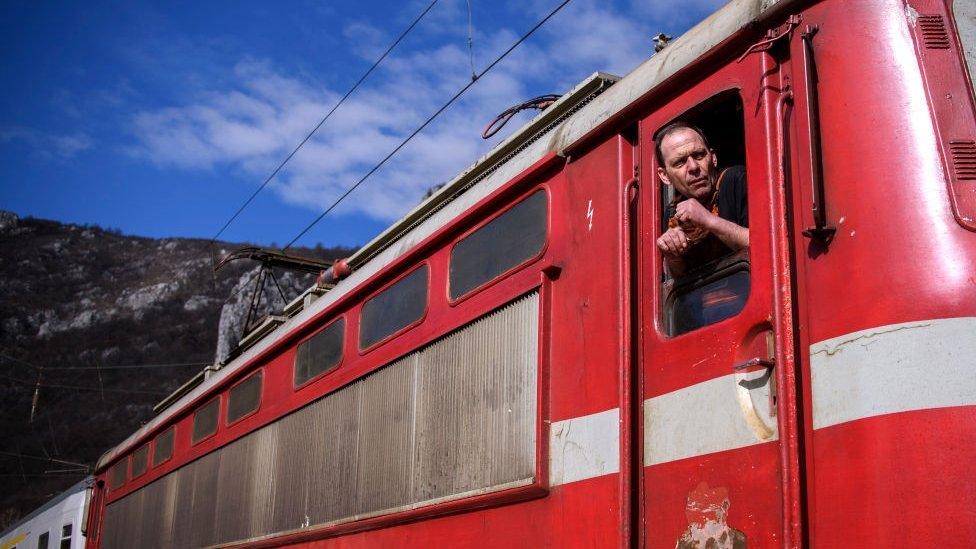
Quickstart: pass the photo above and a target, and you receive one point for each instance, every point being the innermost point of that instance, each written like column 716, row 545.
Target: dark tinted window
column 140, row 458
column 244, row 398
column 321, row 353
column 164, row 447
column 393, row 309
column 205, row 421
column 506, row 241
column 66, row 536
column 42, row 540
column 707, row 302
column 116, row 475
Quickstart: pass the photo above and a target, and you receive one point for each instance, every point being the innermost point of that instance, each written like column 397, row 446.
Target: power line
column 321, row 122
column 80, row 388
column 129, row 366
column 106, row 367
column 474, row 75
column 41, row 458
column 428, row 121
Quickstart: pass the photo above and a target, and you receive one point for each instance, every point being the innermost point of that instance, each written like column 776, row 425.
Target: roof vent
column 934, row 34
column 963, row 158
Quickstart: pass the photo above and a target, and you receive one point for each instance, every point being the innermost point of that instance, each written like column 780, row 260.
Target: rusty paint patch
column 706, row 510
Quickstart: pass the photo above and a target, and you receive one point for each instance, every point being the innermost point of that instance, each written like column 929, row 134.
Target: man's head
column 686, row 161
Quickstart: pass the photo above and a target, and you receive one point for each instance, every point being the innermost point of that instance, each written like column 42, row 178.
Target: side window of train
column 244, row 398
column 703, row 237
column 66, row 536
column 116, row 475
column 205, row 420
column 395, row 308
column 320, row 353
column 140, row 459
column 507, row 241
column 42, row 540
column 163, row 447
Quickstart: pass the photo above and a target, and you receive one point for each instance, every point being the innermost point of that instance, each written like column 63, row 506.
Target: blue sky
column 161, row 118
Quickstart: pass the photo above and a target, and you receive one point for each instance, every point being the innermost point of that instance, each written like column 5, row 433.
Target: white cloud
column 48, row 145
column 254, row 122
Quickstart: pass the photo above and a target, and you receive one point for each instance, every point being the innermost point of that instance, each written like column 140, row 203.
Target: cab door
column 718, row 426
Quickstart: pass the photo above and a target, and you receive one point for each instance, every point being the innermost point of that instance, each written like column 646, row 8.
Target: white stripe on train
column 889, row 369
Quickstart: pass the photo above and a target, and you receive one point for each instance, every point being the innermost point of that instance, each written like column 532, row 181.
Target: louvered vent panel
column 934, row 34
column 451, row 420
column 963, row 158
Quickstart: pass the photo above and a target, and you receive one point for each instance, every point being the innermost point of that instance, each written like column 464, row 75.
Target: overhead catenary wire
column 128, row 366
column 427, row 122
column 28, row 383
column 324, row 119
column 41, row 458
column 105, row 367
column 474, row 75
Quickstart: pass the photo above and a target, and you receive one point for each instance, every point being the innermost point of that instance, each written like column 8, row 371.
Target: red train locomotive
column 512, row 365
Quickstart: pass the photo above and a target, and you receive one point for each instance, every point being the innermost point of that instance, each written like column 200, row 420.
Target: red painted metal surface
column 904, row 250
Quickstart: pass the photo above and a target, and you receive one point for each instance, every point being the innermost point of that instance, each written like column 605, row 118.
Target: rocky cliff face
column 233, row 313
column 100, row 326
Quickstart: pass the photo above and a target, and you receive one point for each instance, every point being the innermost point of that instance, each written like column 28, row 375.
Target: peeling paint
column 919, row 365
column 584, row 447
column 707, row 510
column 830, row 348
column 911, row 14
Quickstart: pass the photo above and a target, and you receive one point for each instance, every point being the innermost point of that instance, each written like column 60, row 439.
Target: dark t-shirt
column 733, row 205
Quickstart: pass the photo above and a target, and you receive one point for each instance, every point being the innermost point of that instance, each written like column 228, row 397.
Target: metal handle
column 753, row 362
column 820, row 230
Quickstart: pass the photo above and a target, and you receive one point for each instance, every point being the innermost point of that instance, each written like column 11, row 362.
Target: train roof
column 591, row 108
column 80, row 486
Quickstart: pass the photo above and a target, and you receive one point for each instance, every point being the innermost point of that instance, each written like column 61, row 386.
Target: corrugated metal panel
column 261, row 477
column 204, row 500
column 334, row 483
column 291, row 472
column 386, row 437
column 234, row 490
column 411, row 433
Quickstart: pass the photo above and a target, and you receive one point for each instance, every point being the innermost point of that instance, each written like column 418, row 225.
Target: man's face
column 689, row 164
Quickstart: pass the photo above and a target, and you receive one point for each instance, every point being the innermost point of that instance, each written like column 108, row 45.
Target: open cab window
column 712, row 286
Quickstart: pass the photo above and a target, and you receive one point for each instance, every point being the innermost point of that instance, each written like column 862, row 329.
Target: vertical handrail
column 820, row 230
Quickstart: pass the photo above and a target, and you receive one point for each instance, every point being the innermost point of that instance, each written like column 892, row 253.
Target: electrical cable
column 428, row 121
column 128, row 366
column 321, row 122
column 542, row 102
column 80, row 388
column 474, row 75
column 114, row 367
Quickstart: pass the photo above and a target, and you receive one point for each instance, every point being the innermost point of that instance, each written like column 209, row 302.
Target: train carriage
column 58, row 524
column 512, row 365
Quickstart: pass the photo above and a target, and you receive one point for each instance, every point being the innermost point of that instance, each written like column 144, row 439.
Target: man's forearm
column 732, row 235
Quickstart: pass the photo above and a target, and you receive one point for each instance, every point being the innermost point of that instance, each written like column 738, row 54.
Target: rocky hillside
column 95, row 328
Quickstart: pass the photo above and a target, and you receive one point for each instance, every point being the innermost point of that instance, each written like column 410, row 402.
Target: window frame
column 342, row 352
column 666, row 293
column 544, row 188
column 226, row 415
column 155, row 447
column 193, row 416
column 393, row 335
column 722, row 269
column 132, row 461
column 124, row 464
column 66, row 537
